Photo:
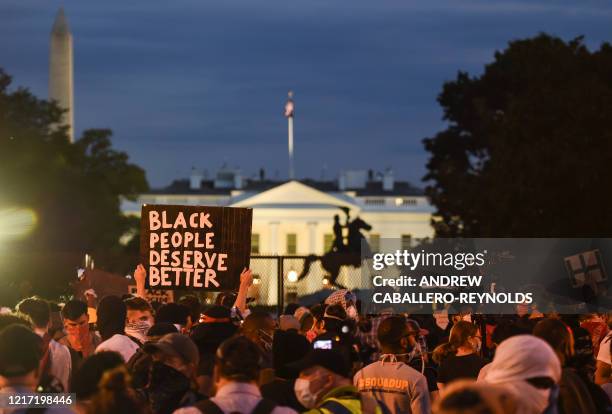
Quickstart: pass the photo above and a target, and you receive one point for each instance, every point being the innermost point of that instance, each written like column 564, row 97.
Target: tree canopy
column 73, row 189
column 528, row 146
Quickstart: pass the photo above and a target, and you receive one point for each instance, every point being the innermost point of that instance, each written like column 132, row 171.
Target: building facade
column 296, row 218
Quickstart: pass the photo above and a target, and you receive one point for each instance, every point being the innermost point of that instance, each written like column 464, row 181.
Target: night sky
column 199, row 83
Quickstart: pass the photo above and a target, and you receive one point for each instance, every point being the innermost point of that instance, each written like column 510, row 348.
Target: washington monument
column 60, row 70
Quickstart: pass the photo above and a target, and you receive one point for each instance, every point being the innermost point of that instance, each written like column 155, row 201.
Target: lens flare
column 16, row 223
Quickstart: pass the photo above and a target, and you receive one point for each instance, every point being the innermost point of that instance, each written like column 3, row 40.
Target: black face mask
column 165, row 374
column 167, row 387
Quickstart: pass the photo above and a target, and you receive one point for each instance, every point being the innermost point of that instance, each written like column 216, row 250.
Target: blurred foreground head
column 238, row 359
column 20, row 354
column 470, row 397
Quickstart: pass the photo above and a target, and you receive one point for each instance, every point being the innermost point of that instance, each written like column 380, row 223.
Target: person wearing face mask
column 237, row 366
column 177, row 314
column 459, row 357
column 79, row 339
column 324, row 385
column 577, row 393
column 172, row 378
column 139, row 318
column 259, row 327
column 140, row 363
column 288, row 346
column 316, row 328
column 339, row 332
column 396, row 386
column 346, row 299
column 112, row 314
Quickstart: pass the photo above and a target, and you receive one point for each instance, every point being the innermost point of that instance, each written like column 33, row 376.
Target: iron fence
column 279, row 280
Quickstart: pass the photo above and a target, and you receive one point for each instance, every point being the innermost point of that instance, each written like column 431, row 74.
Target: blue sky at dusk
column 198, row 83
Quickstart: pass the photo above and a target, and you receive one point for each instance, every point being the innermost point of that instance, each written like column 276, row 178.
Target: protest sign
column 195, row 247
column 586, row 268
column 154, row 295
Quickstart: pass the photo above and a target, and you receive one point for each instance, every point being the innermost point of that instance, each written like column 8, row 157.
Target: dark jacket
column 168, row 390
column 281, row 392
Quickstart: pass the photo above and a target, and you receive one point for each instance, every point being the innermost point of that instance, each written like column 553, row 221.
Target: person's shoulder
column 279, row 410
column 63, row 340
column 58, row 346
column 187, row 410
column 370, row 367
column 479, row 361
column 104, row 345
column 406, row 369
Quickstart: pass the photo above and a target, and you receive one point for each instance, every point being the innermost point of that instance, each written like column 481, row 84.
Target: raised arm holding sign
column 199, row 247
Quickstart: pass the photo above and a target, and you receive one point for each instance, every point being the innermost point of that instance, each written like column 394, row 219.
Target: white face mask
column 303, row 393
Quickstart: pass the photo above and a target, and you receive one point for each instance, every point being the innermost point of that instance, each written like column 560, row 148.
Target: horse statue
column 348, row 254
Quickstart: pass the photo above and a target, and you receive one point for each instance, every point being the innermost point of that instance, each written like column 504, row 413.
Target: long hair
column 459, row 335
column 116, row 395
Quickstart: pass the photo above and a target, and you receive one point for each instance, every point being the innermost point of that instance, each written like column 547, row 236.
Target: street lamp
column 292, row 276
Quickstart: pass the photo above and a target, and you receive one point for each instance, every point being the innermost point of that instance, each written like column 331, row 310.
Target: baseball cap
column 330, row 359
column 175, row 344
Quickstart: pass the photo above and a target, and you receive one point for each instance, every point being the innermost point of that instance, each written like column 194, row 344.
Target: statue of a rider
column 355, row 237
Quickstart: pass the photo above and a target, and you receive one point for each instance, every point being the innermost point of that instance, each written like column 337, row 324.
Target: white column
column 273, row 248
column 61, row 84
column 270, row 289
column 312, row 237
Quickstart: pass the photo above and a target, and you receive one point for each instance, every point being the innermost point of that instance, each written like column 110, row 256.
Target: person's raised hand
column 140, row 274
column 246, row 277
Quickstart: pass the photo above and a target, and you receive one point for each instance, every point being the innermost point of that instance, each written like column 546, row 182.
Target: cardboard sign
column 155, row 295
column 195, row 247
column 586, row 268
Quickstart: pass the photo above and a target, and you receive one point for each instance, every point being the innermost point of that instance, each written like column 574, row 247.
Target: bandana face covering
column 138, row 329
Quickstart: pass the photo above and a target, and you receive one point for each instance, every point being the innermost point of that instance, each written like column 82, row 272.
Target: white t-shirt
column 604, row 349
column 121, row 344
column 61, row 363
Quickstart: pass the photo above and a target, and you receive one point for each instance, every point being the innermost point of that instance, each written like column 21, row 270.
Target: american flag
column 289, row 106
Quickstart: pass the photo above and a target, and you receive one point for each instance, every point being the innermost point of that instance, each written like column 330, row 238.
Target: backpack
column 264, row 406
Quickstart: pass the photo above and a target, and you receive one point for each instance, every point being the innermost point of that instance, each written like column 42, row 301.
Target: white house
column 295, row 218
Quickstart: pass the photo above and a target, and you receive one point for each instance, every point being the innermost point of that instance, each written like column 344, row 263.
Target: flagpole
column 289, row 114
column 290, row 126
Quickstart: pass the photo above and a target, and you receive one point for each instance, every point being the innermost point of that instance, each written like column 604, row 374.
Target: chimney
column 262, row 174
column 388, row 181
column 195, row 181
column 342, row 181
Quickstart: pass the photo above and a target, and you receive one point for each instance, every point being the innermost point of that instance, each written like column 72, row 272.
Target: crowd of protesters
column 127, row 355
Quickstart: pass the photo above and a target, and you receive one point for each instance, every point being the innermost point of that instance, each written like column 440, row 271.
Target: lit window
column 291, row 243
column 374, row 242
column 406, row 241
column 328, row 241
column 254, row 243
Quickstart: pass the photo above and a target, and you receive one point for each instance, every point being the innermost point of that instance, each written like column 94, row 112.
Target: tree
column 74, row 190
column 528, row 146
